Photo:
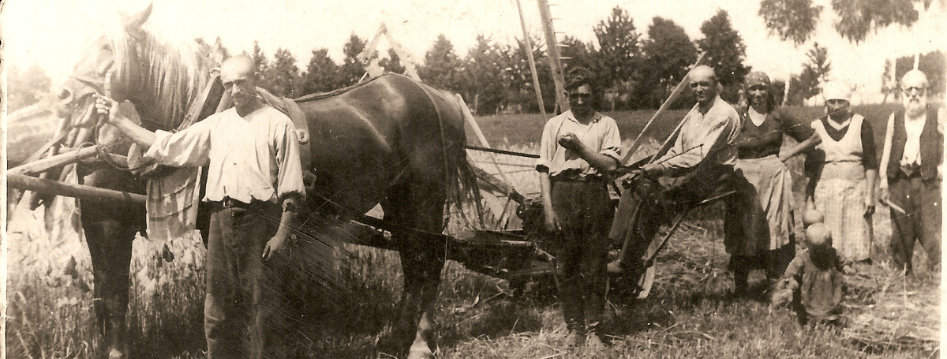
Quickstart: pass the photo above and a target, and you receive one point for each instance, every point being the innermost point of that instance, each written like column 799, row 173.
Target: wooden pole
column 664, row 106
column 71, row 190
column 552, row 48
column 63, row 159
column 532, row 62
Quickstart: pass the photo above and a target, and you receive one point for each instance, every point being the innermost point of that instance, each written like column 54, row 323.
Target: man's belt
column 577, row 179
column 228, row 202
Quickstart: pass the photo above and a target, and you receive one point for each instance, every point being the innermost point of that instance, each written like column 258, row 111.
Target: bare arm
column 551, row 221
column 601, row 162
column 277, row 244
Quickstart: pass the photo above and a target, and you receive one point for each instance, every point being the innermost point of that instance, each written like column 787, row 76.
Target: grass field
column 688, row 315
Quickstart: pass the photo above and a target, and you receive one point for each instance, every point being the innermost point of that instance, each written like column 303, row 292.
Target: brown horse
column 391, row 141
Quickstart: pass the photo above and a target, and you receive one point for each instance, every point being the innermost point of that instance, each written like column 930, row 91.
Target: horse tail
column 460, row 178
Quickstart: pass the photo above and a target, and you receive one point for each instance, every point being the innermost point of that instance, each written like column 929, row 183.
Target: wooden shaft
column 63, row 159
column 71, row 190
column 532, row 62
column 664, row 106
column 552, row 48
column 503, row 152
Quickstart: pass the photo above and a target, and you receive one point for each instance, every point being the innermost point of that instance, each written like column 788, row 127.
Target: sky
column 51, row 32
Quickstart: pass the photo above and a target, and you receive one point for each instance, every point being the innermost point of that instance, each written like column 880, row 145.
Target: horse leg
column 110, row 246
column 419, row 206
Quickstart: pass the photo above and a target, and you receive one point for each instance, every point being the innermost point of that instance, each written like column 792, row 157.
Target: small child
column 813, row 281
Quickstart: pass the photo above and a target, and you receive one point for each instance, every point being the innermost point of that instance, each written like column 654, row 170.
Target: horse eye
column 64, row 94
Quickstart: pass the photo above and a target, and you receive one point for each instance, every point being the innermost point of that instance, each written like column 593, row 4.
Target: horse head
column 124, row 61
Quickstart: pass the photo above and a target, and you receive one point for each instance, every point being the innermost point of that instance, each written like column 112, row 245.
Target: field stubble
column 689, row 314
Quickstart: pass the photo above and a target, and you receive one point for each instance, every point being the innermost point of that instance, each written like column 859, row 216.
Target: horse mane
column 172, row 76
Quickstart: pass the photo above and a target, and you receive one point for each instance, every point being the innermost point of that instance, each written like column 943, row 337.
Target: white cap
column 836, row 90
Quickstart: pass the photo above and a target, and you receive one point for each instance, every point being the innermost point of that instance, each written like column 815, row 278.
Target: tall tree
column 605, row 82
column 668, row 52
column 814, row 73
column 283, row 75
column 262, row 64
column 25, row 88
column 352, row 69
column 322, row 73
column 617, row 59
column 442, row 67
column 577, row 53
column 392, row 63
column 790, row 19
column 797, row 19
column 618, row 46
column 482, row 73
column 518, row 82
column 725, row 53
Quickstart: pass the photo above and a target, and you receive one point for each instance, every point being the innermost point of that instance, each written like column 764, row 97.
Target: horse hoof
column 420, row 352
column 116, row 354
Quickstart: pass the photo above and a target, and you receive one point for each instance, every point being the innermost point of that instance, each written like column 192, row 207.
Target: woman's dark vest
column 932, row 145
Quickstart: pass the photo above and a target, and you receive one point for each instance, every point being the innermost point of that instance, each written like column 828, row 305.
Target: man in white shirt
column 578, row 149
column 254, row 177
column 692, row 170
column 912, row 161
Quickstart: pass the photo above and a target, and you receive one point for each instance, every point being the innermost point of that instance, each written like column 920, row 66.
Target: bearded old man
column 912, row 161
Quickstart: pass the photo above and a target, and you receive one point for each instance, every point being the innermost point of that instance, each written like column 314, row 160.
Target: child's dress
column 816, row 284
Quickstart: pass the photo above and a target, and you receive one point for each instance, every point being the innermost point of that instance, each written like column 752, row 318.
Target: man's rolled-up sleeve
column 716, row 138
column 547, row 148
column 188, row 148
column 289, row 179
column 611, row 141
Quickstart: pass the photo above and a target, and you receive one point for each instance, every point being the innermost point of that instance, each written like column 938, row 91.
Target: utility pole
column 555, row 64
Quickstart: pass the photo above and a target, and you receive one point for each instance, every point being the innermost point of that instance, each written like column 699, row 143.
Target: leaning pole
column 532, row 62
column 555, row 63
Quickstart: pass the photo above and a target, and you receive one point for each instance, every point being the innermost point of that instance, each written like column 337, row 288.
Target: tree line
column 631, row 70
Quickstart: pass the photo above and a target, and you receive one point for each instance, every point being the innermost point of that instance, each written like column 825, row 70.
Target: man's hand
column 570, row 141
column 275, row 246
column 105, row 106
column 651, row 170
column 884, row 195
column 552, row 223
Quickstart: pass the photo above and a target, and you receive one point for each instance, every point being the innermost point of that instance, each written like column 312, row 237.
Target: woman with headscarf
column 842, row 172
column 760, row 220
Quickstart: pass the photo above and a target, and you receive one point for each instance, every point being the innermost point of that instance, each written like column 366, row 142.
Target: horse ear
column 135, row 21
column 217, row 53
